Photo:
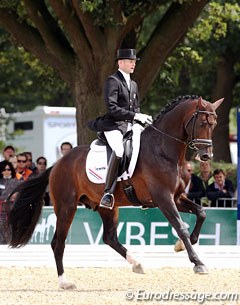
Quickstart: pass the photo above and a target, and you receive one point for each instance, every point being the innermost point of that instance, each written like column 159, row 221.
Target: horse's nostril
column 205, row 157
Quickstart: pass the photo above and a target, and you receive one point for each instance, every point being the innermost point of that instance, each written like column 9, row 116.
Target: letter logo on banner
column 154, row 235
column 138, row 236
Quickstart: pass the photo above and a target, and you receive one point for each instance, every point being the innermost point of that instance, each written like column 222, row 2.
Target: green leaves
column 216, row 21
column 9, row 3
column 26, row 83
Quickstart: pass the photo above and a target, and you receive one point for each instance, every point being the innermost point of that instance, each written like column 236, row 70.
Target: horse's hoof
column 138, row 268
column 68, row 286
column 200, row 269
column 179, row 246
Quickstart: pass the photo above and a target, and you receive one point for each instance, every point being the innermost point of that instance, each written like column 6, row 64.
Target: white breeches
column 115, row 141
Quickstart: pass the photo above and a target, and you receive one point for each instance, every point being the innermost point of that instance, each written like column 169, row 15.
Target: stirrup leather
column 107, row 204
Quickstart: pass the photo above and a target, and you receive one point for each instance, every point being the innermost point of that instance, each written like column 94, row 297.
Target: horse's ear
column 217, row 103
column 201, row 103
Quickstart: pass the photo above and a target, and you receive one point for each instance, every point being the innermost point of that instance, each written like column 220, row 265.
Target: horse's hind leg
column 186, row 205
column 110, row 221
column 64, row 221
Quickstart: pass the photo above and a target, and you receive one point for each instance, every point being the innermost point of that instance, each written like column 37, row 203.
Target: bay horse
column 187, row 121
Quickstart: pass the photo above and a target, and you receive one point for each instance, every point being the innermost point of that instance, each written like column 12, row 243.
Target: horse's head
column 200, row 127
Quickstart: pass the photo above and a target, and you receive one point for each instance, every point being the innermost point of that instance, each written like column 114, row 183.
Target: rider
column 122, row 102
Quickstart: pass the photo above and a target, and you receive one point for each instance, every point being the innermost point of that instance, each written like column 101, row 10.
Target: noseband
column 192, row 143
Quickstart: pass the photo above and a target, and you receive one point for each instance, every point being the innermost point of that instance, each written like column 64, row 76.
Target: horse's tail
column 27, row 208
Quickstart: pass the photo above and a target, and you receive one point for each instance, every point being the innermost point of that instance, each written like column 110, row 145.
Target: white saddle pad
column 96, row 163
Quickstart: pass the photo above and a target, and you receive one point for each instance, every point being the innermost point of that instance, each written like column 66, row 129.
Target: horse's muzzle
column 206, row 156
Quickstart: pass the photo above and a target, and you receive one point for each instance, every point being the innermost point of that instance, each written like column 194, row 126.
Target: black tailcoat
column 121, row 104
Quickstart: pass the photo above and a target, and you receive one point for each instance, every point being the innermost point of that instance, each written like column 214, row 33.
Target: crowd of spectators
column 209, row 188
column 14, row 169
column 205, row 187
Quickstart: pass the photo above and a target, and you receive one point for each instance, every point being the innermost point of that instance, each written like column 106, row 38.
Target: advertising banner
column 139, row 227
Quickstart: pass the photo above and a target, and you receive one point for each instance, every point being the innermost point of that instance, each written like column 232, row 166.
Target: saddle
column 100, row 151
column 128, row 149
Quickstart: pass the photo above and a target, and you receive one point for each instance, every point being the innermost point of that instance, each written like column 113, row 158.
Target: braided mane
column 173, row 104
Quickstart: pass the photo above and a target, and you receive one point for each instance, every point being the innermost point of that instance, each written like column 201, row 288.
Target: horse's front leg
column 110, row 221
column 168, row 207
column 186, row 205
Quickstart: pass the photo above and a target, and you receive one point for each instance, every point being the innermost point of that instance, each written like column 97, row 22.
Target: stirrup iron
column 107, row 205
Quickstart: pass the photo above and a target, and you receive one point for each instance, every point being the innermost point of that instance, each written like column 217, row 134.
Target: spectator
column 41, row 163
column 8, row 182
column 22, row 172
column 8, row 151
column 65, row 148
column 220, row 188
column 13, row 160
column 30, row 163
column 195, row 188
column 206, row 173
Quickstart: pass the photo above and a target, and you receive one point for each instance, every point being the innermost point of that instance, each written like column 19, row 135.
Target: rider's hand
column 143, row 118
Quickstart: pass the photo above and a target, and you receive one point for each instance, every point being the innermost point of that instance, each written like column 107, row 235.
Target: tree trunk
column 89, row 102
column 223, row 88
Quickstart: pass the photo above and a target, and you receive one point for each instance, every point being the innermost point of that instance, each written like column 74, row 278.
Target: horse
column 186, row 121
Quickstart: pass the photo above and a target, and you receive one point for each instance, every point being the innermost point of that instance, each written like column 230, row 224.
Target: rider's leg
column 115, row 140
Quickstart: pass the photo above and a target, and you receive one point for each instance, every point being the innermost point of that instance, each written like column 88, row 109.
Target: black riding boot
column 107, row 200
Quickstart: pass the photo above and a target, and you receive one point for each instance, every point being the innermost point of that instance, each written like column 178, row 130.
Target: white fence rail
column 104, row 256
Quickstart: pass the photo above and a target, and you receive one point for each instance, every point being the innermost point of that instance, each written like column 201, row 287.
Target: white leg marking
column 137, row 267
column 62, row 281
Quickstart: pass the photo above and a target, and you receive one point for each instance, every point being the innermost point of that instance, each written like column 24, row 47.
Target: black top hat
column 126, row 54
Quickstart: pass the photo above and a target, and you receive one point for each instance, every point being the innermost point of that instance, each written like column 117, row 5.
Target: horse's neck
column 171, row 137
column 154, row 142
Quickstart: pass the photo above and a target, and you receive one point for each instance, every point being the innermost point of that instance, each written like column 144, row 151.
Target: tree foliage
column 206, row 63
column 26, row 83
column 192, row 66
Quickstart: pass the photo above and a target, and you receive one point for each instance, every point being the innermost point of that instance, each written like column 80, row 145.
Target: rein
column 192, row 142
column 168, row 135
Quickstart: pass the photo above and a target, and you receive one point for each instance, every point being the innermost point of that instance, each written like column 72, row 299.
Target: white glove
column 143, row 118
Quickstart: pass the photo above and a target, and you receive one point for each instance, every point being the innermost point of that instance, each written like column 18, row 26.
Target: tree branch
column 48, row 29
column 67, row 16
column 137, row 17
column 164, row 39
column 30, row 39
column 112, row 33
column 93, row 33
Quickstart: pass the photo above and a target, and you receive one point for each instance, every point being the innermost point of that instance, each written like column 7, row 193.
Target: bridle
column 192, row 142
